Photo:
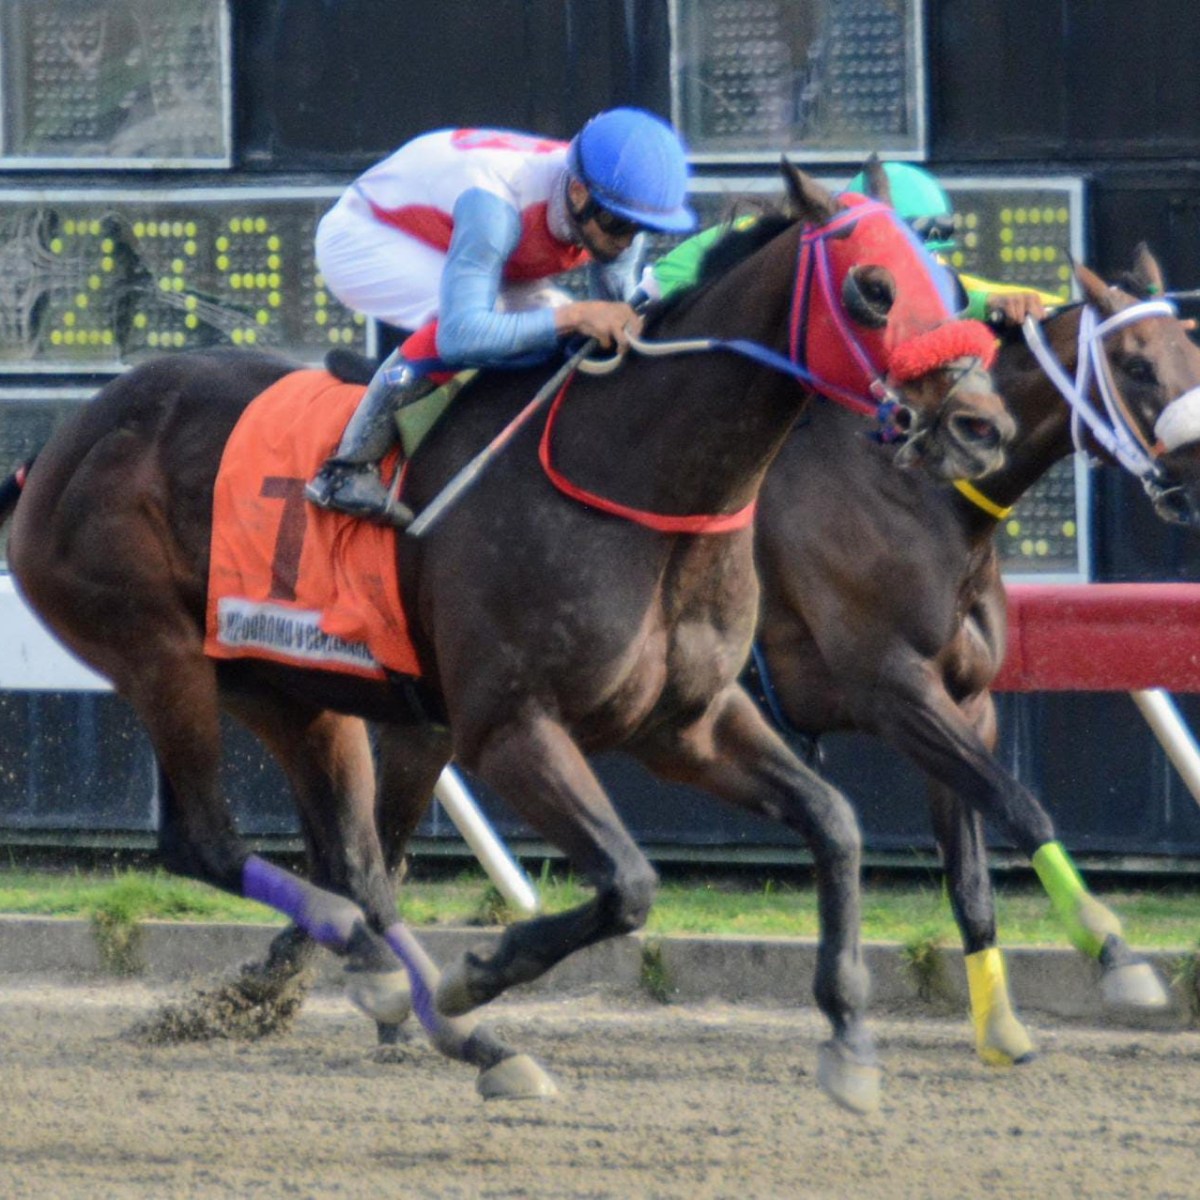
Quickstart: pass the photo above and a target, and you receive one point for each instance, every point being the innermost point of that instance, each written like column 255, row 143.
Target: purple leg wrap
column 418, row 965
column 326, row 918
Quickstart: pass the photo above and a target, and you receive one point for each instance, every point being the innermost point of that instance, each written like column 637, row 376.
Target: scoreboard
column 131, row 84
column 92, row 279
column 833, row 79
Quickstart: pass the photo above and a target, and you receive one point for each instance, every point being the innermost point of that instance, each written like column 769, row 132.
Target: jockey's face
column 605, row 234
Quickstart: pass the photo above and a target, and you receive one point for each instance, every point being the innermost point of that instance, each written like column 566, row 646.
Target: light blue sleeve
column 618, row 279
column 470, row 332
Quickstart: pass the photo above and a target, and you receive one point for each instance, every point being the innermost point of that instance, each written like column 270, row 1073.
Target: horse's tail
column 11, row 488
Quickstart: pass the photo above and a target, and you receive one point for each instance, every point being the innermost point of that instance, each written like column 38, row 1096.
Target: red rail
column 1102, row 637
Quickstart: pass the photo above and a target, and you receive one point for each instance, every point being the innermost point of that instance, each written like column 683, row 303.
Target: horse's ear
column 879, row 187
column 1095, row 290
column 807, row 200
column 1146, row 272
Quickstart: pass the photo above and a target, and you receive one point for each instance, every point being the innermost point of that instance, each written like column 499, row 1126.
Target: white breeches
column 375, row 269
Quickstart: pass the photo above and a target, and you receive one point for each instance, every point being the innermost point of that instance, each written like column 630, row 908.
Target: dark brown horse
column 883, row 611
column 546, row 628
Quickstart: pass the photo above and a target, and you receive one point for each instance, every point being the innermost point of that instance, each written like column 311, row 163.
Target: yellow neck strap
column 977, row 498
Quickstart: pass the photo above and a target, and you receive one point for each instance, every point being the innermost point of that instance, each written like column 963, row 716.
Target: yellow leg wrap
column 1000, row 1038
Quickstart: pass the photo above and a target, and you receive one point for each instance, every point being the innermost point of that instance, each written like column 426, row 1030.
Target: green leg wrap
column 1086, row 920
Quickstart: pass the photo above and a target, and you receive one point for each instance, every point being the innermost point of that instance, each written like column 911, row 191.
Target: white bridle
column 1112, row 426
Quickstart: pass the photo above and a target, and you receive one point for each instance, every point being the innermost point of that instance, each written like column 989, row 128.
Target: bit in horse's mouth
column 1174, row 506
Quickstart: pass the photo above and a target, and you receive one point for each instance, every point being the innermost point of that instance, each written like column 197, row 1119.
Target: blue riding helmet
column 635, row 166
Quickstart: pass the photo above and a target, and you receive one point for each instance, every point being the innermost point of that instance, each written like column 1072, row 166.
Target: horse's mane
column 738, row 244
column 735, row 245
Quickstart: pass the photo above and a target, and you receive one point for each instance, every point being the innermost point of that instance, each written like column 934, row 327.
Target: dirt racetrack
column 682, row 1101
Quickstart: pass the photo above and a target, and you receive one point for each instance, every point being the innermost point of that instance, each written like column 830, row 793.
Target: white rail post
column 1173, row 733
column 502, row 868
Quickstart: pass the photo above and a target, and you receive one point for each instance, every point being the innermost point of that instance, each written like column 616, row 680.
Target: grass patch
column 1155, row 917
column 119, row 943
column 926, row 966
column 127, row 895
column 1186, row 979
column 655, row 978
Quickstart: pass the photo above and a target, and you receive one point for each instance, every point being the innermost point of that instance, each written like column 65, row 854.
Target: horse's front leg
column 913, row 712
column 1000, row 1038
column 733, row 753
column 536, row 766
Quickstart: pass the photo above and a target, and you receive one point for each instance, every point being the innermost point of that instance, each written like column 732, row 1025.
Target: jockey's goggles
column 939, row 228
column 607, row 222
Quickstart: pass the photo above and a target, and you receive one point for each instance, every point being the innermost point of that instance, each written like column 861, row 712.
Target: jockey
column 450, row 234
column 923, row 203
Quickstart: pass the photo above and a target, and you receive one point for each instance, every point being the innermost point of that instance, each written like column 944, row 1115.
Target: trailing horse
column 543, row 625
column 883, row 607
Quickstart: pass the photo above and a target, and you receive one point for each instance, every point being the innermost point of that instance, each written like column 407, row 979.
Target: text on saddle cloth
column 290, row 582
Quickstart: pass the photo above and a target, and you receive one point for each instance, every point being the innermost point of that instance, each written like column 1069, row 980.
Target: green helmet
column 920, row 200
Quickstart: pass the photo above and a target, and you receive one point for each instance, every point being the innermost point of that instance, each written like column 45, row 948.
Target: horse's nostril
column 978, row 430
column 904, row 419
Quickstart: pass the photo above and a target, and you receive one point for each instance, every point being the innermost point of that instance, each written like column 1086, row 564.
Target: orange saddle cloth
column 288, row 581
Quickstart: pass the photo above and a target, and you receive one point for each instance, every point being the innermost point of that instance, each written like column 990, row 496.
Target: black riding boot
column 349, row 481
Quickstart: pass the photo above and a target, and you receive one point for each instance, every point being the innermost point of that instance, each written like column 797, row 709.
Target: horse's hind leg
column 732, row 753
column 327, row 760
column 175, row 693
column 264, row 996
column 409, row 760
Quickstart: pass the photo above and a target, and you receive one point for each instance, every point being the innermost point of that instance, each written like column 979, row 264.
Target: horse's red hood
column 843, row 354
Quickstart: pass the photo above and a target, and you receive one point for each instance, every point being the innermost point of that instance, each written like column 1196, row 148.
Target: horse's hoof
column 383, row 995
column 1133, row 986
column 1006, row 1042
column 853, row 1084
column 453, row 997
column 517, row 1077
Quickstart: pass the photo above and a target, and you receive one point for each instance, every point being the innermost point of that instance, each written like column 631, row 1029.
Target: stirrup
column 357, row 490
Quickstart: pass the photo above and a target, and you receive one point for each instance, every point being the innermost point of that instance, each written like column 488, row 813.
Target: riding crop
column 470, row 472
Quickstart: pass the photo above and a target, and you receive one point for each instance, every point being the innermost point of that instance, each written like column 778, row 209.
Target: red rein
column 663, row 523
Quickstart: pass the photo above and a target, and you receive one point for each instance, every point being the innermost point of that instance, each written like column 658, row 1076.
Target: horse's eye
column 868, row 294
column 1139, row 369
